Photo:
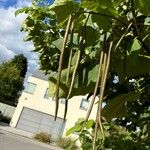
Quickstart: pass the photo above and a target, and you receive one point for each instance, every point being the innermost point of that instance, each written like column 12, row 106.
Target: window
column 30, row 87
column 63, row 100
column 46, row 94
column 84, row 104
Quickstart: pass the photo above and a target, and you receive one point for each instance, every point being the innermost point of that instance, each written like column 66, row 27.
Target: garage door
column 34, row 121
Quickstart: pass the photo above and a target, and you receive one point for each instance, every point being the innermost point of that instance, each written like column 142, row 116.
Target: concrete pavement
column 6, row 127
column 11, row 139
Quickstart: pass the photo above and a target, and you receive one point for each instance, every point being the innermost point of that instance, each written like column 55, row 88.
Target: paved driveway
column 10, row 141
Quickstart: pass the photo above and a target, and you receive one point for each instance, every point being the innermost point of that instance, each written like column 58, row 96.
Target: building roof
column 40, row 75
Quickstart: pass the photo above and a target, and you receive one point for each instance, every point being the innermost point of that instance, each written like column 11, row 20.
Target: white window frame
column 82, row 102
column 63, row 100
column 46, row 94
column 28, row 86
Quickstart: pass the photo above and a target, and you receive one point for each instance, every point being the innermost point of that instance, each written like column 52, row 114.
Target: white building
column 35, row 111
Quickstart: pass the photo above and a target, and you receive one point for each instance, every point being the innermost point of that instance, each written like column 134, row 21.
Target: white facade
column 37, row 102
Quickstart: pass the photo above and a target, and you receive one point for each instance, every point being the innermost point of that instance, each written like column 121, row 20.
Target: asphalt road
column 9, row 141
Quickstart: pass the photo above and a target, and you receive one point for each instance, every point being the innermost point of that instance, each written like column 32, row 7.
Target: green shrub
column 43, row 137
column 67, row 143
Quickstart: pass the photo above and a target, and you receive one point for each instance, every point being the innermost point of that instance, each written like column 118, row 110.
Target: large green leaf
column 90, row 5
column 89, row 124
column 103, row 22
column 23, row 10
column 63, row 89
column 76, row 128
column 91, row 36
column 131, row 66
column 103, row 12
column 96, row 4
column 63, row 8
column 144, row 6
column 116, row 107
column 92, row 76
column 135, row 45
column 116, row 3
column 147, row 21
column 58, row 43
column 84, row 81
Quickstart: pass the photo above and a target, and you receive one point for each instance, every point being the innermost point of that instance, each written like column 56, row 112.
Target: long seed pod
column 103, row 83
column 95, row 90
column 60, row 64
column 81, row 48
column 69, row 66
column 97, row 115
column 98, row 80
column 71, row 51
column 74, row 74
column 102, row 89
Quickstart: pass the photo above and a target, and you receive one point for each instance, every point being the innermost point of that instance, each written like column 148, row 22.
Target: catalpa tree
column 88, row 44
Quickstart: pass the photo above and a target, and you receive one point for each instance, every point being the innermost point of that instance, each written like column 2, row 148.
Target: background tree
column 89, row 43
column 12, row 75
column 20, row 61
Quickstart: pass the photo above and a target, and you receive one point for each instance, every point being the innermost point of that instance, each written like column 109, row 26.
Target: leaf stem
column 134, row 17
column 122, row 37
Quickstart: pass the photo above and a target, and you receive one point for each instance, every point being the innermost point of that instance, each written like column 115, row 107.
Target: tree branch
column 105, row 15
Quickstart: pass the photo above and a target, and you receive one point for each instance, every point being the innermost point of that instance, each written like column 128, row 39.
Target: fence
column 7, row 110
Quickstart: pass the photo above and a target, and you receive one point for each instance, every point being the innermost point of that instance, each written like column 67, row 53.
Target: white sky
column 11, row 38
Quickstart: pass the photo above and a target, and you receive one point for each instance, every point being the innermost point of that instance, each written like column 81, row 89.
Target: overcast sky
column 11, row 39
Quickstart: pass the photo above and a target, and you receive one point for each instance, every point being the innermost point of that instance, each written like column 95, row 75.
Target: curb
column 53, row 145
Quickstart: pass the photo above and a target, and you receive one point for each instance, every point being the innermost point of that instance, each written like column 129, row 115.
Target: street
column 9, row 141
